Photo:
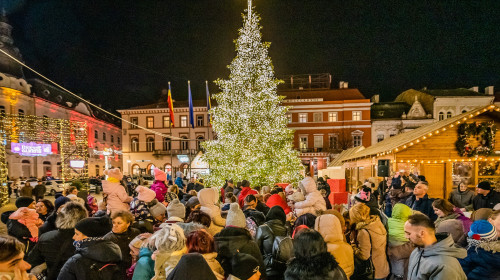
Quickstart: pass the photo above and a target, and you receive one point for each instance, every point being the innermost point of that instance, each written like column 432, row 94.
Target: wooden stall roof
column 345, row 154
column 401, row 141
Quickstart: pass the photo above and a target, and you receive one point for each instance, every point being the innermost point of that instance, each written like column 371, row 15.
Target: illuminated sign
column 31, row 149
column 77, row 163
column 183, row 158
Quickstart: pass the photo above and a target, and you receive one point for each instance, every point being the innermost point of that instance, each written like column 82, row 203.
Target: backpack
column 252, row 225
column 104, row 271
column 282, row 250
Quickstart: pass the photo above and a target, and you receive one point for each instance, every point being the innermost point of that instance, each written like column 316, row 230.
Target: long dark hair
column 308, row 243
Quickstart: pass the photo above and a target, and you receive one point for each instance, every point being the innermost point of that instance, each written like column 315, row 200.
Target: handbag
column 364, row 269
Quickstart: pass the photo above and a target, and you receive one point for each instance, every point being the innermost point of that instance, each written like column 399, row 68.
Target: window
column 2, row 109
column 357, row 138
column 184, row 143
column 96, row 134
column 318, row 117
column 199, row 140
column 289, row 118
column 150, row 122
column 112, row 139
column 184, row 121
column 167, row 144
column 392, row 133
column 303, row 117
column 135, row 122
column 104, row 136
column 318, row 141
column 333, row 141
column 150, row 144
column 166, row 121
column 134, row 145
column 118, row 140
column 332, row 116
column 380, row 137
column 441, row 116
column 21, row 113
column 199, row 120
column 449, row 115
column 303, row 142
column 356, row 115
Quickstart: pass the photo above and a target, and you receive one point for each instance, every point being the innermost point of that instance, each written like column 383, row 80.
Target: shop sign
column 77, row 163
column 31, row 149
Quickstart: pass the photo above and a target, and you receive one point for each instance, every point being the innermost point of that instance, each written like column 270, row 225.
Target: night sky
column 121, row 53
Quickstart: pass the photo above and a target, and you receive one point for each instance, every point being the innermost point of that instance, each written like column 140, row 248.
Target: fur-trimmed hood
column 491, row 246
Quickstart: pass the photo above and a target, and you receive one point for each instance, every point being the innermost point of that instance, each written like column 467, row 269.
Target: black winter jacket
column 264, row 237
column 49, row 224
column 123, row 240
column 320, row 267
column 489, row 201
column 423, row 205
column 258, row 216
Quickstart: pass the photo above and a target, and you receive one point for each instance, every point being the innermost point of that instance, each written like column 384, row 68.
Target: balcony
column 192, row 152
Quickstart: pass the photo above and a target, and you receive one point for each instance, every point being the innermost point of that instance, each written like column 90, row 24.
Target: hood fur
column 71, row 214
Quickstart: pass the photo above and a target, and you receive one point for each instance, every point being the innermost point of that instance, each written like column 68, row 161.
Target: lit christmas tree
column 253, row 141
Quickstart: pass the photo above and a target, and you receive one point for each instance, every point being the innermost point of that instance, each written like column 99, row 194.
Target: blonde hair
column 174, row 189
column 359, row 213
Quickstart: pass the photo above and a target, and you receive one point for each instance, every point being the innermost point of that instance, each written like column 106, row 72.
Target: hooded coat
column 314, row 203
column 396, row 223
column 145, row 266
column 118, row 198
column 320, row 267
column 208, row 200
column 438, row 261
column 78, row 266
column 277, row 200
column 329, row 227
column 461, row 199
column 160, row 189
column 482, row 262
column 165, row 262
column 211, row 259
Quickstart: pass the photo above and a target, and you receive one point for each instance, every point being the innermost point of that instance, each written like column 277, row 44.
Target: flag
column 170, row 106
column 209, row 105
column 191, row 117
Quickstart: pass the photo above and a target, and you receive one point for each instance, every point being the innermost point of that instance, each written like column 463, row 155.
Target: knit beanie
column 94, row 227
column 160, row 175
column 60, row 201
column 244, row 266
column 276, row 213
column 176, row 209
column 482, row 230
column 114, row 173
column 24, row 201
column 170, row 238
column 145, row 194
column 170, row 196
column 485, row 185
column 363, row 196
column 235, row 216
column 138, row 242
column 157, row 209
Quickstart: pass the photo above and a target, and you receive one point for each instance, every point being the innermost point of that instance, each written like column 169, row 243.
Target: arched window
column 167, row 144
column 150, row 168
column 199, row 140
column 449, row 115
column 168, row 168
column 134, row 145
column 150, row 144
column 184, row 143
column 135, row 169
column 441, row 116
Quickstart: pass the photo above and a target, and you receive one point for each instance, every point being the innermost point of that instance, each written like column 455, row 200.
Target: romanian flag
column 170, row 106
column 209, row 104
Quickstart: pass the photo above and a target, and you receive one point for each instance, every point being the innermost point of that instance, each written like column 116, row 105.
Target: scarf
column 78, row 244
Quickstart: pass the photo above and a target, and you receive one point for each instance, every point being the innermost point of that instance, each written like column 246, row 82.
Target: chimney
column 375, row 98
column 474, row 88
column 489, row 90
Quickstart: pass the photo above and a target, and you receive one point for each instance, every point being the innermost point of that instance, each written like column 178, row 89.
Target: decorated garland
column 483, row 132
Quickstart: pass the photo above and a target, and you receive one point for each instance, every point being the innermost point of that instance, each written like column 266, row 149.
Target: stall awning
column 344, row 155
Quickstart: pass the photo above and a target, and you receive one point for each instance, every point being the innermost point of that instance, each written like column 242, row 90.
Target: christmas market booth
column 448, row 152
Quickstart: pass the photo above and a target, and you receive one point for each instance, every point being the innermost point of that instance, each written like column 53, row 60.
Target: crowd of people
column 184, row 230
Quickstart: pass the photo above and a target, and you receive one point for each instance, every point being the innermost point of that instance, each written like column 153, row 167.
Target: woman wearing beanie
column 208, row 200
column 93, row 255
column 400, row 247
column 266, row 234
column 159, row 186
column 330, row 228
column 200, row 241
column 483, row 252
column 236, row 238
column 371, row 239
column 117, row 197
column 170, row 244
column 312, row 260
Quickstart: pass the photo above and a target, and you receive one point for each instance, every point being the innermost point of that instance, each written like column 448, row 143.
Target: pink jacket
column 29, row 218
column 160, row 190
column 118, row 198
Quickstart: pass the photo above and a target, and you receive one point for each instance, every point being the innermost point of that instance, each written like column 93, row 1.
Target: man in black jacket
column 420, row 201
column 486, row 197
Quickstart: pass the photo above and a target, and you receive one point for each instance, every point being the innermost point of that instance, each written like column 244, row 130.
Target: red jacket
column 276, row 200
column 243, row 193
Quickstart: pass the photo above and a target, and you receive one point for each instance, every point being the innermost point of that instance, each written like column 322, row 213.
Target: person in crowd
column 176, row 212
column 158, row 211
column 481, row 214
column 140, row 208
column 170, row 244
column 237, row 189
column 462, row 197
column 420, row 201
column 117, row 197
column 199, row 217
column 39, row 190
column 159, row 186
column 371, row 239
column 184, row 269
column 191, row 184
column 323, row 185
column 122, row 234
column 311, row 259
column 494, row 219
column 447, row 211
column 314, row 202
column 92, row 205
column 200, row 241
column 307, row 219
column 278, row 199
column 245, row 190
column 93, row 254
column 72, row 192
column 178, row 179
column 483, row 252
column 339, row 216
column 330, row 228
column 44, row 208
column 175, row 189
column 55, row 247
column 169, row 197
column 244, row 267
column 187, row 196
column 50, row 222
column 228, row 199
column 23, row 224
column 454, row 228
column 400, row 248
column 26, row 190
column 399, row 191
column 144, row 268
column 208, row 200
column 436, row 255
column 135, row 250
column 192, row 204
column 327, row 201
column 486, row 196
column 235, row 237
column 12, row 264
column 250, row 210
column 265, row 237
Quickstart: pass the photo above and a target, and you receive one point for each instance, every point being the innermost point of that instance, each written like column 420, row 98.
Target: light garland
column 253, row 141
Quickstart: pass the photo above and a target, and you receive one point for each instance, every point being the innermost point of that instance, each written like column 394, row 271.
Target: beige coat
column 214, row 265
column 329, row 227
column 377, row 245
column 208, row 199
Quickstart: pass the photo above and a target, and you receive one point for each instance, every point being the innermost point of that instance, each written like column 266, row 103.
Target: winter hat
column 114, row 173
column 170, row 238
column 192, row 202
column 176, row 209
column 137, row 243
column 94, row 227
column 482, row 230
column 235, row 217
column 160, row 175
column 24, row 201
column 170, row 196
column 145, row 194
column 244, row 266
column 297, row 229
column 184, row 268
column 60, row 201
column 157, row 209
column 276, row 213
column 485, row 185
column 363, row 196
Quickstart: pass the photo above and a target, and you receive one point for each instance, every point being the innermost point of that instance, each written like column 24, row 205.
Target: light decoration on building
column 253, row 141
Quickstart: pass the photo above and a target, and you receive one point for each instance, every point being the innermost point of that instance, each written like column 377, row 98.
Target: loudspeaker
column 383, row 168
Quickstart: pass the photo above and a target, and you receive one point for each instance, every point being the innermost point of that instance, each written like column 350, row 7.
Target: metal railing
column 305, row 81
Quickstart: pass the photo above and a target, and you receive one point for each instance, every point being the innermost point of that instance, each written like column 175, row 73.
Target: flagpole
column 208, row 116
column 191, row 114
column 171, row 146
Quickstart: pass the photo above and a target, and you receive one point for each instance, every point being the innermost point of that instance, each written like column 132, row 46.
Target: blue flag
column 191, row 117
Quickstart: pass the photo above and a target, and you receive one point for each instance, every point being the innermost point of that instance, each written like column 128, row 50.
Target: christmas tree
column 253, row 141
